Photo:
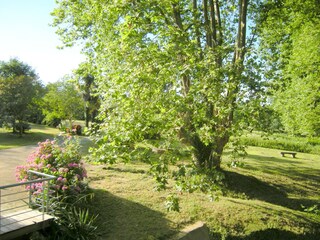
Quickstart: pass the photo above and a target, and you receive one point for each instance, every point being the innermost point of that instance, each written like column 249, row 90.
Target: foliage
column 166, row 71
column 84, row 80
column 292, row 62
column 263, row 200
column 59, row 158
column 283, row 142
column 19, row 93
column 69, row 203
column 62, row 101
column 22, row 127
column 73, row 220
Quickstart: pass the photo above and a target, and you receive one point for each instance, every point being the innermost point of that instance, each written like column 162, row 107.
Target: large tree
column 172, row 70
column 293, row 62
column 18, row 92
column 62, row 101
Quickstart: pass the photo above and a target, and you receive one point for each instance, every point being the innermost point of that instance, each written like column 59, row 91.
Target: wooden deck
column 20, row 223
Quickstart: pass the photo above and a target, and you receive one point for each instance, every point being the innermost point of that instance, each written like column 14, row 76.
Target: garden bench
column 290, row 153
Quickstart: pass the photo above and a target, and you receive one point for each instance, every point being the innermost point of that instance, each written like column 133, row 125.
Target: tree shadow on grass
column 10, row 139
column 276, row 234
column 293, row 167
column 122, row 219
column 254, row 188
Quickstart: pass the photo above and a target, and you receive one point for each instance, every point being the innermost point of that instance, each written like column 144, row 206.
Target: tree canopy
column 293, row 60
column 19, row 87
column 62, row 101
column 170, row 74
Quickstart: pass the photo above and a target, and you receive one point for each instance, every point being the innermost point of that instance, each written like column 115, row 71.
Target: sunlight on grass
column 32, row 137
column 263, row 200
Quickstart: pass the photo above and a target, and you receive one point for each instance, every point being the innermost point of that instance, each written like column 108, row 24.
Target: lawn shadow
column 30, row 138
column 254, row 188
column 293, row 167
column 276, row 234
column 120, row 218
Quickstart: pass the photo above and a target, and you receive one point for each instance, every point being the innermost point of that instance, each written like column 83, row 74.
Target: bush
column 59, row 158
column 22, row 126
column 284, row 142
column 76, row 129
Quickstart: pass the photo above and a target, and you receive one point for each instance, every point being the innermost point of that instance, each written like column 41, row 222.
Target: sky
column 25, row 34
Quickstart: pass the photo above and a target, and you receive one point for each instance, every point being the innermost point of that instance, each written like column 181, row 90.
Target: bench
column 290, row 153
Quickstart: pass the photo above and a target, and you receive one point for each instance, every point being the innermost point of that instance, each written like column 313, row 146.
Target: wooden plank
column 24, row 222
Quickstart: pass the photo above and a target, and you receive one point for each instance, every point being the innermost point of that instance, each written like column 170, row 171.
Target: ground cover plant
column 268, row 197
column 36, row 134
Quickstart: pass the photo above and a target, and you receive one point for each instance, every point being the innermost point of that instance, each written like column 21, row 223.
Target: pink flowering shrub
column 60, row 158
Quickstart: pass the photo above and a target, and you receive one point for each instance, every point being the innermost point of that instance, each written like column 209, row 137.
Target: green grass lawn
column 32, row 137
column 263, row 200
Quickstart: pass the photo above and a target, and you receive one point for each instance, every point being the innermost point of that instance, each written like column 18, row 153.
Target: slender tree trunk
column 87, row 115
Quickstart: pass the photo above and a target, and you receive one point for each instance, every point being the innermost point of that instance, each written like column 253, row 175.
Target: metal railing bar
column 41, row 174
column 25, row 183
column 39, row 203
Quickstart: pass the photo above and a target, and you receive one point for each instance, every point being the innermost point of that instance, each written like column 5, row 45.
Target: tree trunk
column 209, row 156
column 87, row 115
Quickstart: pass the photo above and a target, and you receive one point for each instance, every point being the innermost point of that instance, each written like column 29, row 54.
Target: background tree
column 62, row 101
column 18, row 90
column 84, row 80
column 170, row 70
column 293, row 62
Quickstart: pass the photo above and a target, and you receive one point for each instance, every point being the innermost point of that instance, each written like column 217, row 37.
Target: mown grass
column 32, row 137
column 263, row 200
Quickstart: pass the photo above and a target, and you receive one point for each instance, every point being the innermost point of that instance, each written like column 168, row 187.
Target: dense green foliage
column 20, row 93
column 166, row 70
column 283, row 142
column 293, row 62
column 62, row 101
column 83, row 78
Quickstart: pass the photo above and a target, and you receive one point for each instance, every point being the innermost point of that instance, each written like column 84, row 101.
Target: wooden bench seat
column 289, row 153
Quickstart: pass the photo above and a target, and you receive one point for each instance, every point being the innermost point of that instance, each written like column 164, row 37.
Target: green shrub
column 283, row 142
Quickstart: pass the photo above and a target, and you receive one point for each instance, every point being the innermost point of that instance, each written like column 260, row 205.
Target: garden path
column 9, row 159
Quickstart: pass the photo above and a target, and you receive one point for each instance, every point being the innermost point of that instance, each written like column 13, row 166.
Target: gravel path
column 9, row 159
